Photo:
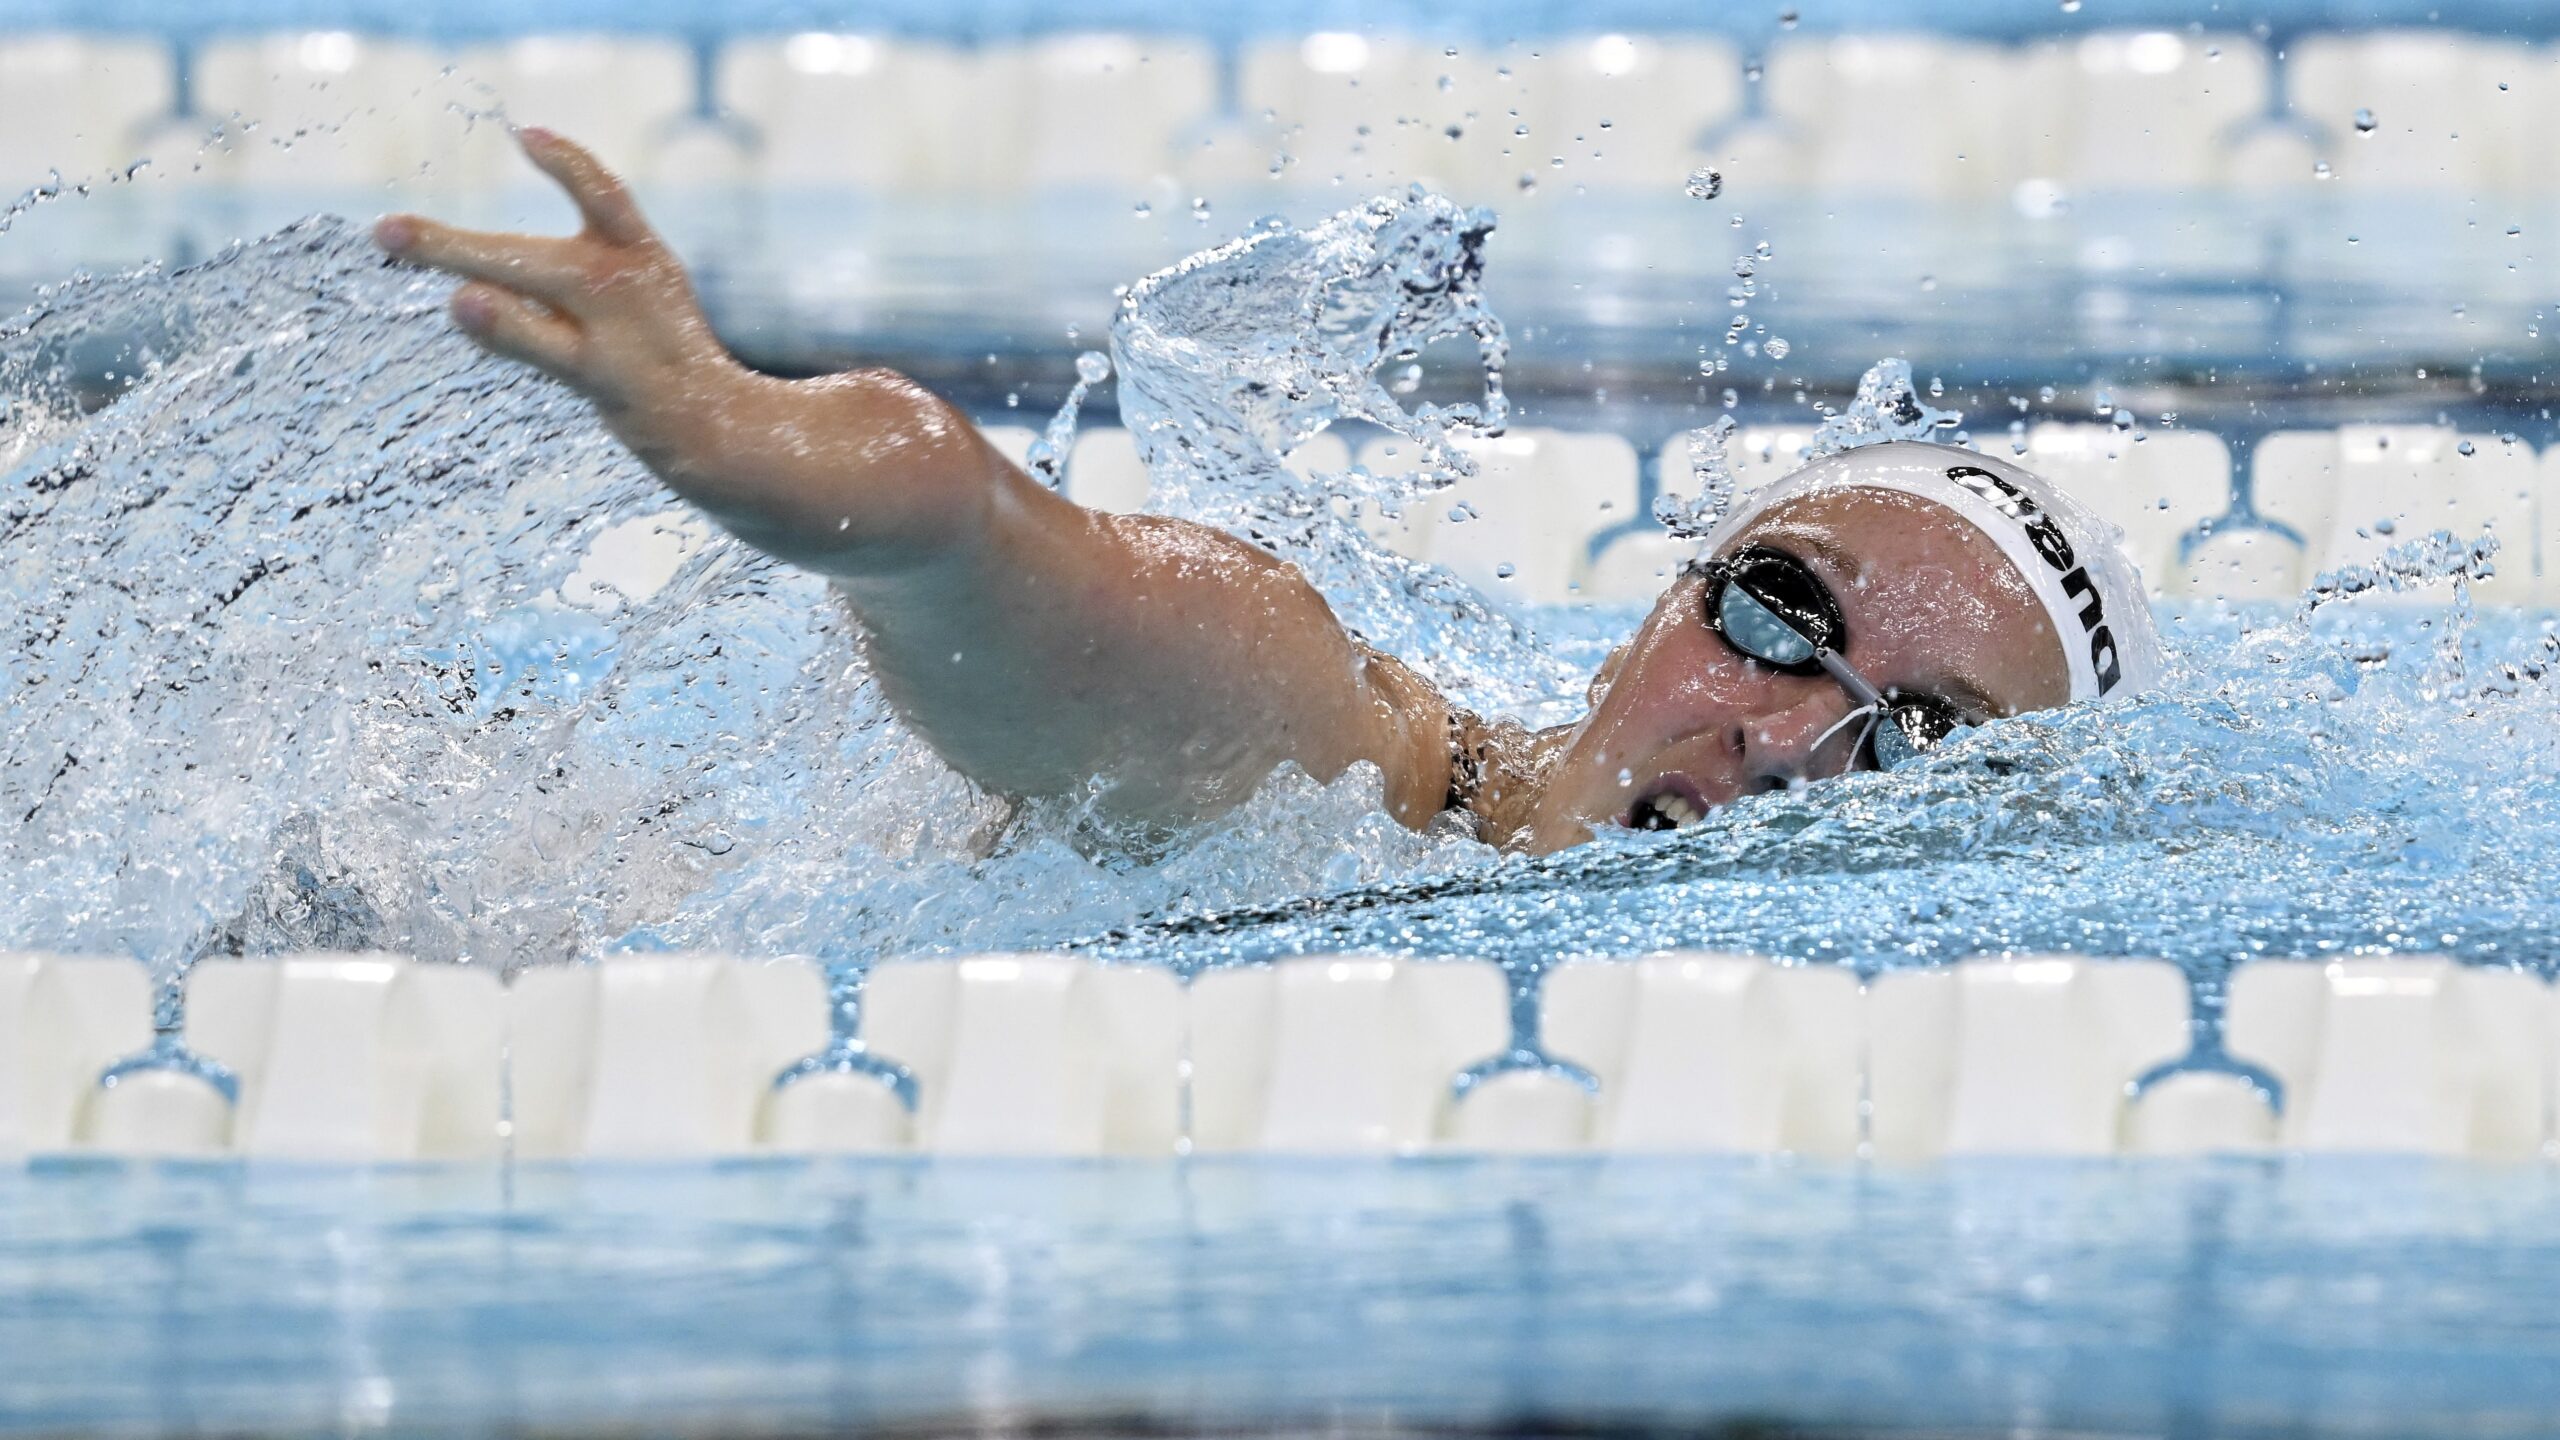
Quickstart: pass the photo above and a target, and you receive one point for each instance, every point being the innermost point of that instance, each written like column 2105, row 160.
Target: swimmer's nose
column 1805, row 741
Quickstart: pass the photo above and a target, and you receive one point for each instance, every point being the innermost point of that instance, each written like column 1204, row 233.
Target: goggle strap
column 1850, row 680
column 1870, row 713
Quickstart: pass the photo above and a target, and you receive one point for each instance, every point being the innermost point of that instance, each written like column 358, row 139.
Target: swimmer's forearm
column 848, row 475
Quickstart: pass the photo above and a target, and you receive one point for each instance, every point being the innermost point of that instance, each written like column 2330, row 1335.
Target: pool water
column 305, row 656
column 330, row 566
column 1270, row 1296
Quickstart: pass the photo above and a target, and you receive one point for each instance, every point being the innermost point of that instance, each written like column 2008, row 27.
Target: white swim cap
column 2073, row 561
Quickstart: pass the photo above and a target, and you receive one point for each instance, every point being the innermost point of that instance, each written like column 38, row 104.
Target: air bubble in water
column 1706, row 183
column 2365, row 122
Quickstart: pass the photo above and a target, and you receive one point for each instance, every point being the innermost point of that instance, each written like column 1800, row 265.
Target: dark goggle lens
column 1760, row 632
column 1774, row 610
column 1912, row 726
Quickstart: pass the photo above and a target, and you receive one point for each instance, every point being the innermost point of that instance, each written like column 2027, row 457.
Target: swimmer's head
column 1958, row 584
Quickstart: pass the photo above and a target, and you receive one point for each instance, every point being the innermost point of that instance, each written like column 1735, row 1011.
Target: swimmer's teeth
column 1666, row 812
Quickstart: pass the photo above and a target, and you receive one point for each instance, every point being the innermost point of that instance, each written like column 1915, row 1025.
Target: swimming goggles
column 1771, row 606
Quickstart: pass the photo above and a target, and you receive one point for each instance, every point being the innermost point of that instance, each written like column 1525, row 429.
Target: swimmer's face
column 1681, row 721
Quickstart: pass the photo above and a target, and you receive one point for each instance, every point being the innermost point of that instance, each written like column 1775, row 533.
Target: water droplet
column 2364, row 122
column 2070, row 7
column 1751, row 73
column 1787, row 19
column 2320, row 171
column 1928, row 283
column 1528, row 181
column 1142, row 209
column 1505, row 570
column 2514, row 230
column 2466, row 448
column 1461, row 513
column 1093, row 367
column 1775, row 348
column 1200, row 208
column 1706, row 183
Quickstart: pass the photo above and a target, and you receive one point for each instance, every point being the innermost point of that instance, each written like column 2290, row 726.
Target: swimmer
column 1852, row 616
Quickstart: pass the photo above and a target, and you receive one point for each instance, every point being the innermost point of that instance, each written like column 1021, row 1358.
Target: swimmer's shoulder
column 1454, row 762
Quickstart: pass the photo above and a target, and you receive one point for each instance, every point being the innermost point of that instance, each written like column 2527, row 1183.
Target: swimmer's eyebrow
column 1953, row 684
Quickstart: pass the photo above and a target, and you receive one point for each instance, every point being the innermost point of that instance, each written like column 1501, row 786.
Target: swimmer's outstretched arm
column 1037, row 645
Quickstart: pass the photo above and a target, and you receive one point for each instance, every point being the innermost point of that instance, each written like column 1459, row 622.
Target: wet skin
column 1159, row 671
column 1681, row 721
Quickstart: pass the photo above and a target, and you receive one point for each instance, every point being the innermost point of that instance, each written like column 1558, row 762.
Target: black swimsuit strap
column 1466, row 767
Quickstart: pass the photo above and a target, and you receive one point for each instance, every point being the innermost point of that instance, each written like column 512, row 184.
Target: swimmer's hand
column 841, row 474
column 1040, row 646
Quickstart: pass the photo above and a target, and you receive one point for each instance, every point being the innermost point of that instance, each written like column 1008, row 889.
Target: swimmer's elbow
column 861, row 473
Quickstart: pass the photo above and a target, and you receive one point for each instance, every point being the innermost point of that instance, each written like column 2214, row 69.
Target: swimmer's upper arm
column 1176, row 663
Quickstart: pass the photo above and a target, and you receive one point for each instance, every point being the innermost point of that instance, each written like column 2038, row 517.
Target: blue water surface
column 2335, row 1297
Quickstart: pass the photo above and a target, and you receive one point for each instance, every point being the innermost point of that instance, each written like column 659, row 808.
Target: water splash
column 2434, row 559
column 1047, row 457
column 312, row 649
column 1232, row 360
column 1887, row 406
column 303, row 656
column 1708, row 450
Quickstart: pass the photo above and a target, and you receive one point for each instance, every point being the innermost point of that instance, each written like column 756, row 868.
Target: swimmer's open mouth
column 1670, row 804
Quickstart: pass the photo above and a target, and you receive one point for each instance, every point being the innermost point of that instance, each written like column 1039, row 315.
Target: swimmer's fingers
column 611, row 214
column 519, row 328
column 554, row 270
